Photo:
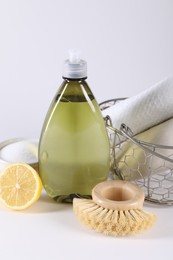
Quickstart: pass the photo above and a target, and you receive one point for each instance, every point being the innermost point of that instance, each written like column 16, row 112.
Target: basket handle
column 125, row 131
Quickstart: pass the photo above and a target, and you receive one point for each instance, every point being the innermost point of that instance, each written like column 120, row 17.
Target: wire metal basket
column 148, row 165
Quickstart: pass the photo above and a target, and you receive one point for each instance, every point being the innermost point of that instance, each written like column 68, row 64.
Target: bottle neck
column 75, row 90
column 77, row 79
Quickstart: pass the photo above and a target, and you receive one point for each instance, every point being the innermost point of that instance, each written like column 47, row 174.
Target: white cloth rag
column 145, row 110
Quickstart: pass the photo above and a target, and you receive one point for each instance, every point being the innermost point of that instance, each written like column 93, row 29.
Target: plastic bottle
column 74, row 146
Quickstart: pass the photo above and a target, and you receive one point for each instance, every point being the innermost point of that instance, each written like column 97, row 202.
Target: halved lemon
column 20, row 186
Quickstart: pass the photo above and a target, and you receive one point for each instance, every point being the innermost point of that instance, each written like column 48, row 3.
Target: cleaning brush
column 116, row 209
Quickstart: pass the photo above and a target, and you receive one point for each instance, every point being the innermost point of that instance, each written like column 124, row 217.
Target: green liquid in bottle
column 74, row 146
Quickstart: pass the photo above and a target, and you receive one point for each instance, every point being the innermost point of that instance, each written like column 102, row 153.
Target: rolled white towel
column 145, row 110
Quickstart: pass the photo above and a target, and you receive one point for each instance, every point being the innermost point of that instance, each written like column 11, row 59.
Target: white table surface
column 49, row 230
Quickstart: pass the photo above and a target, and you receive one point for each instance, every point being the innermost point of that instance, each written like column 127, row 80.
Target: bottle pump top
column 74, row 67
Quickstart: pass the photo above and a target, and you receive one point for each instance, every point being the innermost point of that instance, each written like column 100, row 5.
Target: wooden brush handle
column 118, row 195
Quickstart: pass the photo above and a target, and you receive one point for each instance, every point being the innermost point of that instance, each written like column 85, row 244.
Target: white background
column 128, row 46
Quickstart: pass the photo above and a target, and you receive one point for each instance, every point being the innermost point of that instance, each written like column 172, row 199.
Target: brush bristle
column 112, row 222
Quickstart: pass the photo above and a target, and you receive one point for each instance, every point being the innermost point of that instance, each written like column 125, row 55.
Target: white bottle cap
column 74, row 67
